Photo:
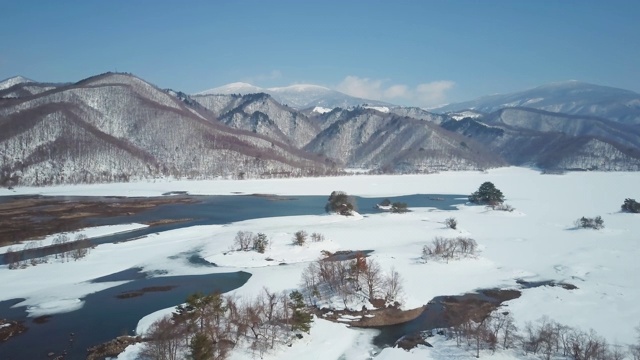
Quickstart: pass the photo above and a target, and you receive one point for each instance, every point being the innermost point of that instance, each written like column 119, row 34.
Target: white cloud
column 426, row 94
column 361, row 87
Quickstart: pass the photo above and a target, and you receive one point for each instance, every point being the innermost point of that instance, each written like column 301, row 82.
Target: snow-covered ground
column 535, row 242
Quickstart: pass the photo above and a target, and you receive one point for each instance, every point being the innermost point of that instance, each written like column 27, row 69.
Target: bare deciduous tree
column 393, row 286
column 243, row 240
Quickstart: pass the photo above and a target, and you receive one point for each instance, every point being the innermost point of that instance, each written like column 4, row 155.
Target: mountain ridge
column 298, row 96
column 568, row 97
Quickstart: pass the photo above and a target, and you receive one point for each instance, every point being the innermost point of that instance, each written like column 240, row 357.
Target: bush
column 385, row 202
column 502, row 207
column 300, row 238
column 449, row 248
column 317, row 237
column 341, row 203
column 399, row 207
column 630, row 205
column 590, row 223
column 487, row 194
column 451, row 223
column 260, row 243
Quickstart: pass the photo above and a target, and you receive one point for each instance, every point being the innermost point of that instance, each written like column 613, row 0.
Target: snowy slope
column 7, row 83
column 569, row 97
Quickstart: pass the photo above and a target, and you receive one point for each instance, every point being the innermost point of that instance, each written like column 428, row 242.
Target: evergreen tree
column 487, row 194
column 301, row 319
column 340, row 203
column 201, row 348
column 630, row 205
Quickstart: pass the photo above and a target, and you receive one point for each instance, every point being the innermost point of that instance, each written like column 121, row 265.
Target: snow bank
column 327, row 340
column 55, row 307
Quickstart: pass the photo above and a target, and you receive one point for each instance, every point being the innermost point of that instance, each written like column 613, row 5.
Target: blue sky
column 408, row 52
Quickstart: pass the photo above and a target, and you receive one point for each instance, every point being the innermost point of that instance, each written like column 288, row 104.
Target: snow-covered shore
column 535, row 242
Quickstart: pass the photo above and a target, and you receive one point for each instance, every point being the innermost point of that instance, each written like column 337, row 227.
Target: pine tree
column 301, row 319
column 487, row 194
column 630, row 205
column 341, row 203
column 200, row 347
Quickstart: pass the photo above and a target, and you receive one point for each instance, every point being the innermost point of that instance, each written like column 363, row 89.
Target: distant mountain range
column 118, row 127
column 570, row 97
column 301, row 96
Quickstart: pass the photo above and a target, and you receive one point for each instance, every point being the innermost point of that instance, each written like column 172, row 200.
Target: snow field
column 535, row 242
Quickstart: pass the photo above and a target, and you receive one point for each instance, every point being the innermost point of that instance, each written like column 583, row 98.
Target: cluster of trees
column 595, row 223
column 449, row 248
column 341, row 203
column 487, row 194
column 207, row 327
column 630, row 205
column 544, row 338
column 247, row 241
column 357, row 279
column 300, row 237
column 62, row 247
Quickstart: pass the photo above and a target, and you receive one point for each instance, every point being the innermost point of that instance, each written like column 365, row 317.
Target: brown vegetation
column 214, row 324
column 449, row 248
column 111, row 348
column 24, row 218
column 136, row 293
column 14, row 328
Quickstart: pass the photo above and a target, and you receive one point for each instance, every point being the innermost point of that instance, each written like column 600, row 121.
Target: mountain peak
column 7, row 83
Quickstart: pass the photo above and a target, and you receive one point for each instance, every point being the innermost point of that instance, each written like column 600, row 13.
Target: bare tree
column 310, row 281
column 243, row 240
column 317, row 237
column 164, row 341
column 372, row 278
column 393, row 286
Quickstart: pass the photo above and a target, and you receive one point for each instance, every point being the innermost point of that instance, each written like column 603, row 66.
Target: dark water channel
column 225, row 209
column 104, row 316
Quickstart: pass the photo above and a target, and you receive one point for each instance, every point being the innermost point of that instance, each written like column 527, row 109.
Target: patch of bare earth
column 35, row 217
column 112, row 348
column 9, row 329
column 371, row 318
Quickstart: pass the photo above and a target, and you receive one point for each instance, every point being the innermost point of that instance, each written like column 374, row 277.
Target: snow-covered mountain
column 261, row 114
column 386, row 142
column 300, row 96
column 7, row 83
column 529, row 137
column 116, row 127
column 570, row 97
